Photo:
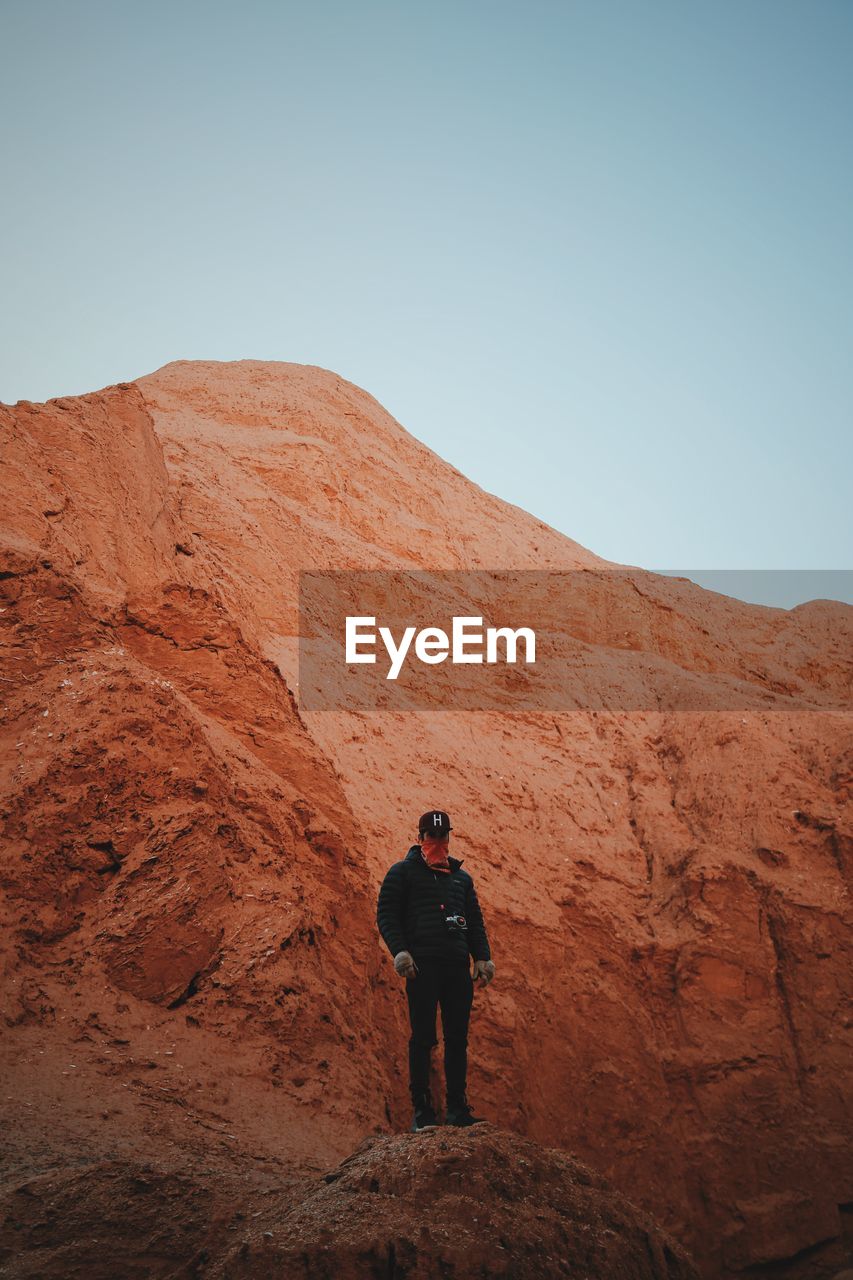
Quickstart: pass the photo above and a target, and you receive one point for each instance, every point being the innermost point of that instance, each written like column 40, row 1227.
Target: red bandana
column 434, row 853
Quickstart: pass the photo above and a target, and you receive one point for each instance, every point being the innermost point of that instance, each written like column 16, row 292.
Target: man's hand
column 404, row 964
column 484, row 970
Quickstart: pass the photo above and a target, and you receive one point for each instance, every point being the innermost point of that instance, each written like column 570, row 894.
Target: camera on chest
column 456, row 924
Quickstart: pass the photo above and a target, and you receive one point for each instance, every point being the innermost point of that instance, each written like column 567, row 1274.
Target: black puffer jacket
column 413, row 902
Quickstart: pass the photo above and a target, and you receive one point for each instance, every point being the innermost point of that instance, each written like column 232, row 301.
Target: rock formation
column 465, row 1204
column 192, row 975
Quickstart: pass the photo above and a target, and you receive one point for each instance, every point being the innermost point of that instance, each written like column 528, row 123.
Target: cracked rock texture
column 194, row 992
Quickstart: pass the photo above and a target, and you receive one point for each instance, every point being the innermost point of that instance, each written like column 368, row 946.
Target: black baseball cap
column 434, row 823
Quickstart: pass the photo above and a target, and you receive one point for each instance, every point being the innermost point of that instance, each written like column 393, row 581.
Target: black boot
column 425, row 1117
column 460, row 1114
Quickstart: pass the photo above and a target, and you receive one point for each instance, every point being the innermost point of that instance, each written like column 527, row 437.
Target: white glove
column 405, row 965
column 484, row 970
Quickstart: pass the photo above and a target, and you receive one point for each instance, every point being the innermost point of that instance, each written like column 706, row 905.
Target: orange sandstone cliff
column 199, row 1017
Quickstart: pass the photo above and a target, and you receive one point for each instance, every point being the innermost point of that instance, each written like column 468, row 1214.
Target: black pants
column 447, row 983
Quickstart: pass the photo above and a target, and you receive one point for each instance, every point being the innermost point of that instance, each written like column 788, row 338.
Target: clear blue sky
column 597, row 255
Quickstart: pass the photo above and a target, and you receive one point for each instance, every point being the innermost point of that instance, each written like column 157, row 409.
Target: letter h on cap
column 436, row 822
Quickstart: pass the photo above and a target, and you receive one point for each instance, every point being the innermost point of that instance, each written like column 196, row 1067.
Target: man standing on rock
column 431, row 922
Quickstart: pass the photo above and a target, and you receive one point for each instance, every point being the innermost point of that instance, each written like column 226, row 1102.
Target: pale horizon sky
column 596, row 255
